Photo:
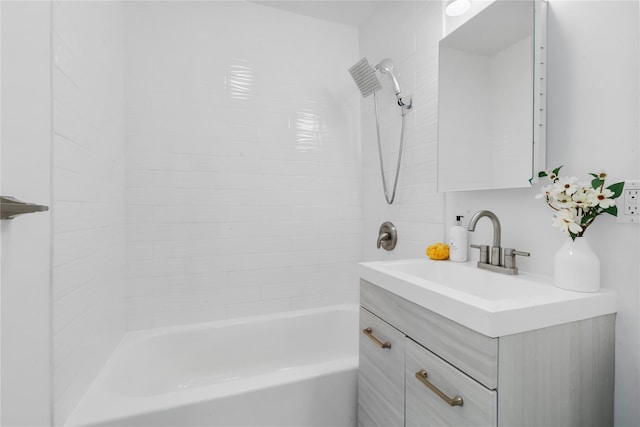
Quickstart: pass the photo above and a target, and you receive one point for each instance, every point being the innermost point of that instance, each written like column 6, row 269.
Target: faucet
column 496, row 250
column 494, row 261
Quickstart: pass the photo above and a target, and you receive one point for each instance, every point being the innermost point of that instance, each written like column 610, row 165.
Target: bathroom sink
column 487, row 302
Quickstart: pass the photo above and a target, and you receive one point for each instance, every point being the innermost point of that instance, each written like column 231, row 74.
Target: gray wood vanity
column 419, row 368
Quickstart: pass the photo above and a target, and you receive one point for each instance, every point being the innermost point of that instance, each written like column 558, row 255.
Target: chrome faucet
column 494, row 260
column 496, row 250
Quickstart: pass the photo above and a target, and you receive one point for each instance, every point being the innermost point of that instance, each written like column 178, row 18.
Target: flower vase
column 576, row 267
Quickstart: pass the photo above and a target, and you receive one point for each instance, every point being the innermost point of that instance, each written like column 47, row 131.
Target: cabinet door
column 381, row 373
column 474, row 404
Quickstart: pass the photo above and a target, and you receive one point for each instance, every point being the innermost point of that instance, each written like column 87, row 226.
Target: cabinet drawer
column 424, row 407
column 471, row 352
column 381, row 373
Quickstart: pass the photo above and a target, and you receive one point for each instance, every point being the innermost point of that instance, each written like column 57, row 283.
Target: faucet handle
column 510, row 257
column 484, row 253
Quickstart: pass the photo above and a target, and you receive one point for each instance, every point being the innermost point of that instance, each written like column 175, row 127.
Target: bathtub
column 287, row 369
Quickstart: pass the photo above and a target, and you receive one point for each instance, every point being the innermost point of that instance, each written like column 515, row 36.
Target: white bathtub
column 289, row 369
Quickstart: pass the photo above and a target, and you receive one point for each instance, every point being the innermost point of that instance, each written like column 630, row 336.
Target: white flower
column 567, row 221
column 552, row 176
column 564, row 201
column 584, row 197
column 603, row 198
column 567, row 184
column 546, row 192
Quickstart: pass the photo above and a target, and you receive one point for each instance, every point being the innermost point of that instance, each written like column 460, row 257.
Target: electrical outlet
column 629, row 205
column 631, row 202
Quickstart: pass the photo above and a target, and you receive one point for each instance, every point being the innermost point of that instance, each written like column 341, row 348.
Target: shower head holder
column 402, row 103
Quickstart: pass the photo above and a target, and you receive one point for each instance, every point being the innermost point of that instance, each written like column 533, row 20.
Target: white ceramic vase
column 576, row 267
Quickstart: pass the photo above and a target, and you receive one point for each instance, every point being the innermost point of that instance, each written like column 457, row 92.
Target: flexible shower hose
column 384, row 181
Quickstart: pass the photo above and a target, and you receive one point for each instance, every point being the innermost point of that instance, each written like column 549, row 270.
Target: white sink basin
column 490, row 303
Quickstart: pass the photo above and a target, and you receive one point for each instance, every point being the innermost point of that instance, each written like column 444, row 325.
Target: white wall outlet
column 629, row 203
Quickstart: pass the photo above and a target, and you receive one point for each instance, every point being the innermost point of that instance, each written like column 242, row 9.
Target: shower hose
column 384, row 181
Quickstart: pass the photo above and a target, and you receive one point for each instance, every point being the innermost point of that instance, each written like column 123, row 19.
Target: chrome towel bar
column 10, row 207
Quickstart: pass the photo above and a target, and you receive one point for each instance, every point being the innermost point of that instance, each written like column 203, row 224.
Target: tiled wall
column 243, row 164
column 88, row 194
column 408, row 34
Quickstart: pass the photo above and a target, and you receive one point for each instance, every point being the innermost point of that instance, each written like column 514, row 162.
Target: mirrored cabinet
column 491, row 100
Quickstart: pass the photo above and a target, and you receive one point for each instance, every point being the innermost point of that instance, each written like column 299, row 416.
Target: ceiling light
column 457, row 7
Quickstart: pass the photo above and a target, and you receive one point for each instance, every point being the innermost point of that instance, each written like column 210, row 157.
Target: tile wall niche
column 418, row 210
column 243, row 162
column 87, row 194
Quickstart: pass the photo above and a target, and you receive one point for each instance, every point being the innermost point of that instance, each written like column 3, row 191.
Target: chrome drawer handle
column 456, row 401
column 369, row 332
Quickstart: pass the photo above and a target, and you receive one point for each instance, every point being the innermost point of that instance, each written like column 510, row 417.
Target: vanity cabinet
column 436, row 372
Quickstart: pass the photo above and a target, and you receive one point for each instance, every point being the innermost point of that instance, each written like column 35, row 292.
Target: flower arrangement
column 578, row 204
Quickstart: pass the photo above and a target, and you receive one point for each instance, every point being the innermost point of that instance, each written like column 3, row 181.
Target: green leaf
column 595, row 175
column 616, row 188
column 588, row 217
column 573, row 235
column 612, row 210
column 556, row 171
column 597, row 183
column 542, row 174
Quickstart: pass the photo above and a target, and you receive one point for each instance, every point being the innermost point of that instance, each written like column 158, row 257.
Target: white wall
column 88, row 194
column 243, row 163
column 592, row 115
column 26, row 147
column 408, row 34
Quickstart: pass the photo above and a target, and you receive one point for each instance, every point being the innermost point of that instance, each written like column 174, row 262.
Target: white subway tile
column 243, row 179
column 258, row 308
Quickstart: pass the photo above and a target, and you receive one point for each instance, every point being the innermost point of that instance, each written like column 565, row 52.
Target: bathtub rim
column 138, row 335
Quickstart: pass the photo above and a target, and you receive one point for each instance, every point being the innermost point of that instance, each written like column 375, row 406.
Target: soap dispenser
column 458, row 241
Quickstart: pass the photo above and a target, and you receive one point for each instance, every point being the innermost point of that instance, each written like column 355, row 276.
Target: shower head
column 365, row 77
column 386, row 67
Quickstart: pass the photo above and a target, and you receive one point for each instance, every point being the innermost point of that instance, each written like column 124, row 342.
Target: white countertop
column 490, row 303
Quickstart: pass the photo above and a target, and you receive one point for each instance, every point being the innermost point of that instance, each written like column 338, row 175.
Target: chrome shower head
column 386, row 67
column 365, row 77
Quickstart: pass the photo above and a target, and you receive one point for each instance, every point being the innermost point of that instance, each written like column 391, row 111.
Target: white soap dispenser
column 458, row 241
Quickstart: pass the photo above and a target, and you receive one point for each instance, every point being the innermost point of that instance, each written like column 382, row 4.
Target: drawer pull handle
column 369, row 332
column 422, row 376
